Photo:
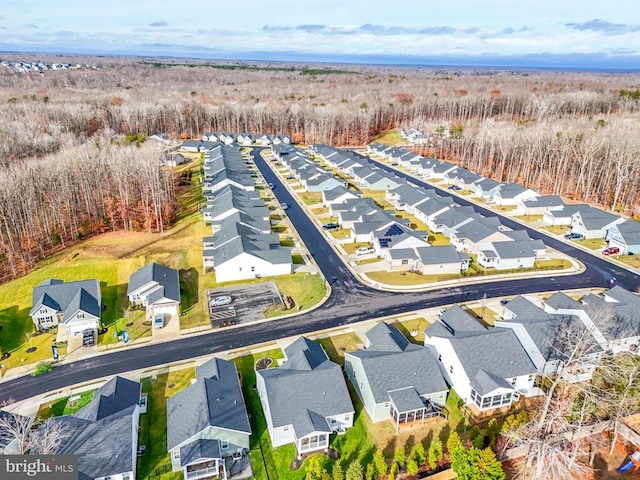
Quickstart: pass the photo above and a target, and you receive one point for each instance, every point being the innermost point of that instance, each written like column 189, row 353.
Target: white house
column 512, row 194
column 155, row 287
column 625, row 236
column 510, row 254
column 306, row 399
column 487, row 368
column 593, row 222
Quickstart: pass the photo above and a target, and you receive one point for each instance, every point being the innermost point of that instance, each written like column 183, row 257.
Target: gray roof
column 567, row 210
column 561, row 300
column 201, row 449
column 389, row 370
column 544, row 201
column 240, row 245
column 403, row 253
column 511, row 190
column 514, row 249
column 308, row 422
column 115, row 396
column 617, row 318
column 408, row 194
column 474, row 231
column 486, row 382
column 165, row 277
column 455, row 322
column 387, row 338
column 214, row 400
column 406, row 399
column 305, row 382
column 594, row 218
column 68, row 297
column 630, row 231
column 440, row 255
column 100, row 433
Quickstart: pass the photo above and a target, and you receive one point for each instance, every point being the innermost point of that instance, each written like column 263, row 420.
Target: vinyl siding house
column 396, row 235
column 207, row 423
column 487, row 368
column 593, row 222
column 401, row 259
column 486, row 188
column 549, row 338
column 336, row 195
column 468, row 236
column 155, row 287
column 76, row 306
column 539, row 205
column 512, row 194
column 104, row 433
column 625, row 236
column 562, row 216
column 305, row 399
column 404, row 197
column 510, row 254
column 441, row 260
column 395, row 379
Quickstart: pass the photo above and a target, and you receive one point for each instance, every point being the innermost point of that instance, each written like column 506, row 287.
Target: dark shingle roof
column 406, row 399
column 113, row 397
column 201, row 449
column 68, row 296
column 214, row 400
column 166, row 277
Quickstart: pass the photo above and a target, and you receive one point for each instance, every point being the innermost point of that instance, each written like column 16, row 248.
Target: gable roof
column 69, row 297
column 617, row 314
column 166, row 278
column 438, row 255
column 200, row 449
column 113, row 397
column 214, row 400
column 387, row 338
column 305, row 382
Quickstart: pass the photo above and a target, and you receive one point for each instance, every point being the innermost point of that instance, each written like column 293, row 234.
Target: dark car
column 454, row 187
column 88, row 338
column 611, row 251
column 573, row 236
column 330, row 225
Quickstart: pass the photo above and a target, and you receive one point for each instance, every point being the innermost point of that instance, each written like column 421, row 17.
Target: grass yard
column 631, row 260
column 337, row 345
column 378, row 196
column 438, row 239
column 592, row 243
column 552, row 263
column 153, row 424
column 414, row 325
column 557, row 229
column 352, row 247
column 368, row 261
column 65, row 405
column 297, row 259
column 341, row 234
column 485, row 314
column 311, row 198
column 390, row 137
column 529, row 218
column 504, row 208
column 19, row 355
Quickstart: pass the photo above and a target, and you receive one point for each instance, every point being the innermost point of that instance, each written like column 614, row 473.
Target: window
column 451, row 369
column 531, row 377
column 253, row 269
column 440, row 357
column 405, row 261
column 513, row 381
column 176, row 454
column 286, row 429
column 224, row 444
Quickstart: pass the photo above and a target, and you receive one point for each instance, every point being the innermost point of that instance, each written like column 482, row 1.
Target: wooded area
column 66, row 172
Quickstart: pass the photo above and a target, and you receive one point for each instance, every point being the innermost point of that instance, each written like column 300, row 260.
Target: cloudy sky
column 593, row 33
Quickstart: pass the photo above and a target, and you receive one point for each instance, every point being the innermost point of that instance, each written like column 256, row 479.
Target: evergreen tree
column 380, row 463
column 400, row 456
column 418, row 453
column 435, row 453
column 354, row 472
column 337, row 473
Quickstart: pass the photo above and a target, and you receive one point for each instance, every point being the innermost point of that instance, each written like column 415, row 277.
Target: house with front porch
column 396, row 379
column 512, row 194
column 441, row 260
column 509, row 255
column 207, row 423
column 539, row 205
column 485, row 188
column 593, row 222
column 339, row 194
column 625, row 236
column 77, row 306
column 487, row 367
column 305, row 399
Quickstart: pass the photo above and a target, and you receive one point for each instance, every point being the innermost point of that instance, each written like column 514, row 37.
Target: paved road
column 349, row 302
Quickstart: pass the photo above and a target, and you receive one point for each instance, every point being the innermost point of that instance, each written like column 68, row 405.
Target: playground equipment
column 633, row 463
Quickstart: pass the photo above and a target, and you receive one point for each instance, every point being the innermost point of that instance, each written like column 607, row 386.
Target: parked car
column 611, row 251
column 573, row 236
column 454, row 187
column 88, row 338
column 365, row 251
column 504, row 301
column 285, row 206
column 158, row 321
column 220, row 301
column 331, row 225
column 271, row 186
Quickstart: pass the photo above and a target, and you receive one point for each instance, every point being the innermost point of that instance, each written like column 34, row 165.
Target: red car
column 611, row 251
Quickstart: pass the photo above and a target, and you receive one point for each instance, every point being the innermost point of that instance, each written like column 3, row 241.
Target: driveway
column 248, row 301
column 170, row 331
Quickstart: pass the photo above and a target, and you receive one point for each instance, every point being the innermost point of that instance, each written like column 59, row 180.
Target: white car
column 365, row 251
column 158, row 321
column 285, row 206
column 220, row 301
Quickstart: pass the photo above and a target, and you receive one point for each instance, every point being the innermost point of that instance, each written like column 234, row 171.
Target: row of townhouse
column 246, row 138
column 77, row 306
column 306, row 172
column 242, row 245
column 589, row 222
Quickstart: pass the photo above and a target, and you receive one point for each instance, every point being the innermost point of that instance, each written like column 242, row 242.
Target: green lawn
column 415, row 325
column 592, row 243
column 352, row 247
column 631, row 260
column 389, row 137
column 438, row 239
column 311, row 198
column 341, row 233
column 297, row 259
column 153, row 424
column 63, row 406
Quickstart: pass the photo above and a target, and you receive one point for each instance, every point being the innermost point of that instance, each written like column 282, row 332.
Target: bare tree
column 15, row 432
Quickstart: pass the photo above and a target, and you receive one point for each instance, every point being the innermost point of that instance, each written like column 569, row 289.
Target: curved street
column 350, row 302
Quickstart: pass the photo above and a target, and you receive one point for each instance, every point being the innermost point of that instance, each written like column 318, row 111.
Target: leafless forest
column 67, row 173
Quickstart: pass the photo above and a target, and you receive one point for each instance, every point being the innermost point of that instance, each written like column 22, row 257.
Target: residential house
column 562, row 216
column 593, row 222
column 441, row 260
column 157, row 288
column 550, row 340
column 451, row 219
column 396, row 379
column 338, row 194
column 207, row 422
column 396, row 235
column 625, row 236
column 469, row 235
column 539, row 205
column 509, row 255
column 305, row 399
column 512, row 194
column 486, row 188
column 175, row 160
column 487, row 367
column 405, row 197
column 75, row 305
column 104, row 433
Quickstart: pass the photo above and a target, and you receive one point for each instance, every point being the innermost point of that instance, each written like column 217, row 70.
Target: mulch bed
column 264, row 363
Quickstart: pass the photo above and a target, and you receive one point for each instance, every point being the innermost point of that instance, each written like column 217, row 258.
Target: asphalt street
column 349, row 302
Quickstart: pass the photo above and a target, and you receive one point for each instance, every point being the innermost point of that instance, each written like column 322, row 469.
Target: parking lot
column 248, row 303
